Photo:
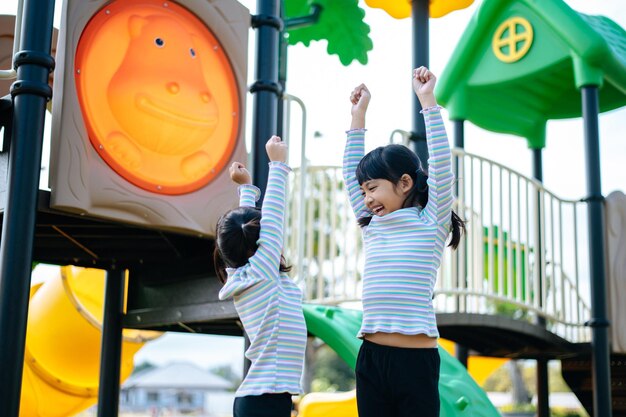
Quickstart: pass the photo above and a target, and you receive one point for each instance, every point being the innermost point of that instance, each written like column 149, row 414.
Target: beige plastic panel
column 80, row 179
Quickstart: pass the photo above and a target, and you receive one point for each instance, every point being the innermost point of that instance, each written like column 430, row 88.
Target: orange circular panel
column 158, row 95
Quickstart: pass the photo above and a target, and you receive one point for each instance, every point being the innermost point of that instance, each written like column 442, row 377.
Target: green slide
column 460, row 395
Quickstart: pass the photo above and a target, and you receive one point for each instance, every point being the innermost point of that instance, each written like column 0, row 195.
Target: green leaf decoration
column 340, row 23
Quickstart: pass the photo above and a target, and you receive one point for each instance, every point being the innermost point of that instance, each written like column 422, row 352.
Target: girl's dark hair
column 236, row 238
column 390, row 163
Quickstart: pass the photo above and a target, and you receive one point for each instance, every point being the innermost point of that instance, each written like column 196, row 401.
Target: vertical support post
column 599, row 323
column 266, row 89
column 459, row 134
column 461, row 352
column 283, row 47
column 543, row 391
column 111, row 347
column 30, row 94
column 420, row 15
column 246, row 361
column 538, row 175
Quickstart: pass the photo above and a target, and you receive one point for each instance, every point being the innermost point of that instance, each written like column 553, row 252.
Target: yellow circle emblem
column 512, row 39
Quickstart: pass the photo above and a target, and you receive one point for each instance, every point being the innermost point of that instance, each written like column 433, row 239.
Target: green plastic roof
column 340, row 24
column 567, row 50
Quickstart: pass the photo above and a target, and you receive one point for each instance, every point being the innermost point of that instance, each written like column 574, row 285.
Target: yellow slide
column 62, row 355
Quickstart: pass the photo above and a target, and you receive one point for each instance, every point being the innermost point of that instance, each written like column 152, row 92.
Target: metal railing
column 329, row 264
column 522, row 254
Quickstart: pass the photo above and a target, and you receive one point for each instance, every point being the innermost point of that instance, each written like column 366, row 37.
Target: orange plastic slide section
column 62, row 355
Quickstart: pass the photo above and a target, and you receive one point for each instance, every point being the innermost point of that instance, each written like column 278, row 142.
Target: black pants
column 265, row 405
column 397, row 382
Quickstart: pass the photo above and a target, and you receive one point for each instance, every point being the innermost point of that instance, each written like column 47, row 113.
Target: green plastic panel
column 521, row 63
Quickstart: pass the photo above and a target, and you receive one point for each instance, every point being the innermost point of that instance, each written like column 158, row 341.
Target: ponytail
column 457, row 227
column 237, row 235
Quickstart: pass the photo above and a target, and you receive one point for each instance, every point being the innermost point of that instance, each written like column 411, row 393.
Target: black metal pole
column 266, row 89
column 246, row 361
column 420, row 15
column 459, row 133
column 538, row 175
column 543, row 389
column 461, row 352
column 601, row 370
column 30, row 94
column 111, row 347
column 282, row 79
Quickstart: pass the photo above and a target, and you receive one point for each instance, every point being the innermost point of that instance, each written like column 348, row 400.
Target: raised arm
column 248, row 193
column 355, row 149
column 440, row 177
column 268, row 255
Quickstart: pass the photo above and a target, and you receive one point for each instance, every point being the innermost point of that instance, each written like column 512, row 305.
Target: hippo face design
column 159, row 95
column 160, row 99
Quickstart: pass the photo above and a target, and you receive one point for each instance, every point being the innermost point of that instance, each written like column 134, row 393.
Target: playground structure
column 510, row 294
column 61, row 378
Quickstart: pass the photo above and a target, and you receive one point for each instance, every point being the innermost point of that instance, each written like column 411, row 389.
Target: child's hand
column 276, row 149
column 360, row 99
column 239, row 173
column 424, row 86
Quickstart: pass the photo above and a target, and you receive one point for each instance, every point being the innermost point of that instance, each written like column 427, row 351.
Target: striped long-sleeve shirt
column 403, row 249
column 268, row 302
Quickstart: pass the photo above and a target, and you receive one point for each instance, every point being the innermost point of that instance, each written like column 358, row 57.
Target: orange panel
column 158, row 95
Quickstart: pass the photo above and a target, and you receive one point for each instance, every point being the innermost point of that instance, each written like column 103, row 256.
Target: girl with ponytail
column 406, row 218
column 249, row 261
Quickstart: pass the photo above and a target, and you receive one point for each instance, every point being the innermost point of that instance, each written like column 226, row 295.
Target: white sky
column 324, row 85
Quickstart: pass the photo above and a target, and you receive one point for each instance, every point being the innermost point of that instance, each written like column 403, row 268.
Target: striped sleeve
column 248, row 195
column 353, row 153
column 440, row 176
column 266, row 260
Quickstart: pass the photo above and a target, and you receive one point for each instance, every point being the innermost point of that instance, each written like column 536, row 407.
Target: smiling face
column 159, row 95
column 383, row 197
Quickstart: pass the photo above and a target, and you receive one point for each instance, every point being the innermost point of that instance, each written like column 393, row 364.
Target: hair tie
column 421, row 180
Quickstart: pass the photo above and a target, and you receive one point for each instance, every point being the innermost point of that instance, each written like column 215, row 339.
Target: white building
column 178, row 387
